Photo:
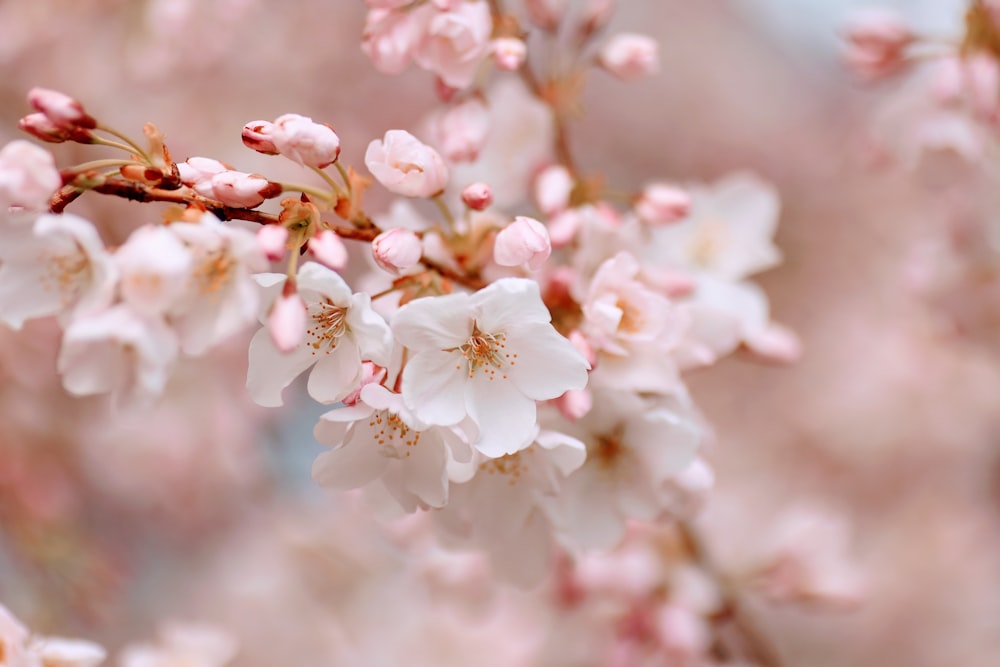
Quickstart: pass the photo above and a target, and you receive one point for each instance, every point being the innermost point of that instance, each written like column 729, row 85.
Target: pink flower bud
column 455, row 42
column 523, row 241
column 972, row 81
column 460, row 131
column 273, row 240
column 876, row 40
column 564, row 226
column 629, row 56
column 777, row 344
column 257, row 136
column 509, row 53
column 553, row 187
column 235, row 188
column 662, row 203
column 406, row 166
column 28, row 176
column 41, row 127
column 305, row 141
column 397, row 249
column 391, row 37
column 575, row 403
column 61, row 109
column 327, row 247
column 477, row 196
column 371, row 373
column 287, row 321
column 199, row 169
column 547, row 14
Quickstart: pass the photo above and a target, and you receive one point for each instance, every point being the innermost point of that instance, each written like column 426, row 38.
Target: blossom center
column 513, row 466
column 214, row 270
column 394, row 438
column 329, row 324
column 486, row 352
column 631, row 320
column 66, row 273
column 608, row 450
column 709, row 243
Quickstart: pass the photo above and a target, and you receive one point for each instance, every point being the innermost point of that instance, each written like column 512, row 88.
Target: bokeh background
column 205, row 509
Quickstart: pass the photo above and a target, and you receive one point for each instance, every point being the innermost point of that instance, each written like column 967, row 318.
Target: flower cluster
column 513, row 366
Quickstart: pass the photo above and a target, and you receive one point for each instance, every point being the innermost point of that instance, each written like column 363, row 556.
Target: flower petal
column 506, row 417
column 547, row 364
column 434, row 387
column 336, row 374
column 270, row 370
column 434, row 323
column 507, row 302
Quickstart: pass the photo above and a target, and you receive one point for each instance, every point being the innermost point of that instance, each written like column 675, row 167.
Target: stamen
column 66, row 273
column 329, row 324
column 393, row 437
column 486, row 352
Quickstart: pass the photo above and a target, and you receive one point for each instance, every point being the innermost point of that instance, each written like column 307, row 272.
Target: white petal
column 566, row 453
column 349, row 467
column 372, row 333
column 270, row 370
column 666, row 442
column 506, row 418
column 509, row 301
column 315, row 277
column 336, row 374
column 434, row 323
column 547, row 365
column 434, row 387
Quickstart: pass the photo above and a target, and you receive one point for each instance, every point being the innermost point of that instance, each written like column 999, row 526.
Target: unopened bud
column 575, row 403
column 257, row 136
column 327, row 247
column 477, row 196
column 41, row 127
column 305, row 141
column 195, row 170
column 553, row 188
column 235, row 188
column 662, row 203
column 397, row 249
column 509, row 53
column 524, row 241
column 287, row 321
column 461, row 130
column 876, row 40
column 371, row 373
column 273, row 240
column 629, row 56
column 60, row 108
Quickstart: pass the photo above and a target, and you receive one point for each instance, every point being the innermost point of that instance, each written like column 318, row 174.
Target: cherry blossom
column 634, row 446
column 305, row 141
column 503, row 507
column 406, row 166
column 488, row 356
column 456, row 42
column 28, row 176
column 117, row 351
column 56, row 266
column 342, row 331
column 378, row 437
column 220, row 296
column 729, row 232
